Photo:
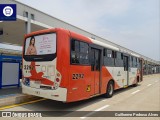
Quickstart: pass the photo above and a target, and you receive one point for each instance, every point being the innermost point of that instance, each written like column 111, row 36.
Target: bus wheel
column 110, row 89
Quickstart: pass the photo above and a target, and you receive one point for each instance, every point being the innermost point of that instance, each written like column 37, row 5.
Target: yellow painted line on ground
column 15, row 105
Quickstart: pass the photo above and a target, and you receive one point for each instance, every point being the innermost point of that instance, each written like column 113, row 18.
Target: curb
column 16, row 99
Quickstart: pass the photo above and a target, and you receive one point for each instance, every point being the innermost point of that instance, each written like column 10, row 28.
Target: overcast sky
column 134, row 24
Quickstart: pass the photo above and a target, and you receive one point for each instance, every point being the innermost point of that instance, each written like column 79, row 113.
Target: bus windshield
column 40, row 46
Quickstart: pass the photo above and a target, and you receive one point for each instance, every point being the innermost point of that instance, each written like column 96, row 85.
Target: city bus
column 62, row 65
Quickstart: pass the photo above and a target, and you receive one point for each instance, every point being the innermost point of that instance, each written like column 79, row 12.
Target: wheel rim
column 110, row 89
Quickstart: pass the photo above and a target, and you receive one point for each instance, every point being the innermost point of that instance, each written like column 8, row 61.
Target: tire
column 109, row 90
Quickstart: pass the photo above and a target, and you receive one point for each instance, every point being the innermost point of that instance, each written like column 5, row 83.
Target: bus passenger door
column 126, row 69
column 95, row 68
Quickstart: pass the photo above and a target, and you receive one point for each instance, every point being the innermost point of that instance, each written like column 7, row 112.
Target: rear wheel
column 110, row 89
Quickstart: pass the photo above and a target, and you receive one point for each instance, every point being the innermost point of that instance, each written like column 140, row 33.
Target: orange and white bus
column 61, row 65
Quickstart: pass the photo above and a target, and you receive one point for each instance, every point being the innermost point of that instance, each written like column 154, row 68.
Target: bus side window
column 74, row 51
column 134, row 62
column 108, row 57
column 109, row 53
column 84, row 59
column 131, row 61
column 119, row 59
column 138, row 62
column 79, row 52
column 92, row 60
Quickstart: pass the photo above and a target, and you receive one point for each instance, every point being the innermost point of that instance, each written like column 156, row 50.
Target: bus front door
column 95, row 68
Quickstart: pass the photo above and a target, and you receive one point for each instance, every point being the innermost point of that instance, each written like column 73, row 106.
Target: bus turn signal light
column 57, row 79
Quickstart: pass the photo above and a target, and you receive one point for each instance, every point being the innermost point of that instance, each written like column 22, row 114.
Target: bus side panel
column 120, row 76
column 63, row 56
column 81, row 83
column 133, row 74
column 106, row 76
column 139, row 73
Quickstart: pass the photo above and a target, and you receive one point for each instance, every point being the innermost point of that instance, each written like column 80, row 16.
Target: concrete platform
column 10, row 90
column 13, row 95
column 16, row 99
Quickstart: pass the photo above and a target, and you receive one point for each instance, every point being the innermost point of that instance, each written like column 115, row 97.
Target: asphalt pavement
column 144, row 97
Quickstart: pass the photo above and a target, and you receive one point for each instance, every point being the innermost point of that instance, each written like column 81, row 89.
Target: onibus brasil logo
column 8, row 11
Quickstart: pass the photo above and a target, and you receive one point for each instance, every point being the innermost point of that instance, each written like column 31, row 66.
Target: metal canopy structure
column 14, row 31
column 30, row 19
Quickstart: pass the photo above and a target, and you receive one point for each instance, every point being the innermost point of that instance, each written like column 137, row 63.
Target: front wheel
column 110, row 89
